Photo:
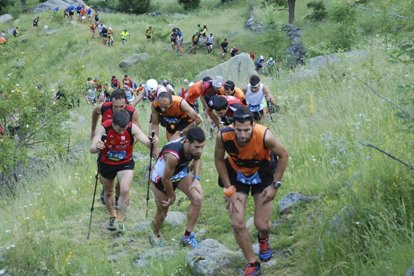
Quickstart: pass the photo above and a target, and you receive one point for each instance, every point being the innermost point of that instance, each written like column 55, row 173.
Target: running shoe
column 265, row 253
column 252, row 269
column 189, row 241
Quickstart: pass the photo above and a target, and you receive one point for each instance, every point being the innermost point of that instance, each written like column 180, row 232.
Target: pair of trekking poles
column 103, row 138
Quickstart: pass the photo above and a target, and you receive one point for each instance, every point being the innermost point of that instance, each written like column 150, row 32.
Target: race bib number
column 180, row 175
column 255, row 108
column 249, row 180
column 114, row 155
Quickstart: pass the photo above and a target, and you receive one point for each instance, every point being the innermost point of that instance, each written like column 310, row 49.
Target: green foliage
column 319, row 11
column 134, row 6
column 189, row 4
column 5, row 5
column 278, row 3
column 344, row 14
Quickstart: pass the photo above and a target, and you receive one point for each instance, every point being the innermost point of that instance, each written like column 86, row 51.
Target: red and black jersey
column 176, row 148
column 106, row 111
column 118, row 147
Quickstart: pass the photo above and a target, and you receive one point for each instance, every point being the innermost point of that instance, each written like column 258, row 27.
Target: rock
column 129, row 61
column 157, row 254
column 176, row 218
column 61, row 4
column 210, row 258
column 296, row 50
column 292, row 199
column 238, row 69
column 143, row 226
column 6, row 18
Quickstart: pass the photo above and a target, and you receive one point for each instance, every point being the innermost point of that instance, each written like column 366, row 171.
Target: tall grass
column 363, row 224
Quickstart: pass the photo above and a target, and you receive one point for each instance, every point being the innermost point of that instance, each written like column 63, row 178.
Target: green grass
column 44, row 222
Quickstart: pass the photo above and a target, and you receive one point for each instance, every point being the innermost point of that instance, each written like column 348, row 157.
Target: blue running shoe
column 189, row 241
column 265, row 253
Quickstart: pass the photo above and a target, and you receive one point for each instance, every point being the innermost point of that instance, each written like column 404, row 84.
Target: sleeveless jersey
column 254, row 100
column 252, row 156
column 118, row 147
column 173, row 115
column 176, row 148
column 106, row 111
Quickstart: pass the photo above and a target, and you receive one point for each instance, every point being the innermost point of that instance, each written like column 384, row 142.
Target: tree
column 189, row 4
column 4, row 5
column 134, row 6
column 291, row 4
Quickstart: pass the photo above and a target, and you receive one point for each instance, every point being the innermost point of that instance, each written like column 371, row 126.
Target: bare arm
column 170, row 163
column 185, row 107
column 95, row 117
column 97, row 144
column 273, row 143
column 219, row 162
column 135, row 118
column 138, row 98
column 216, row 119
column 268, row 95
column 140, row 136
column 155, row 121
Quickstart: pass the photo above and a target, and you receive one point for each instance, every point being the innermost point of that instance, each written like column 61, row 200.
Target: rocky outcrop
column 238, row 69
column 129, row 61
column 212, row 258
column 6, row 18
column 296, row 51
column 61, row 4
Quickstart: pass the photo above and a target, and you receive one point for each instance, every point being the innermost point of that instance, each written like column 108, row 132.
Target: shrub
column 189, row 4
column 319, row 11
column 134, row 6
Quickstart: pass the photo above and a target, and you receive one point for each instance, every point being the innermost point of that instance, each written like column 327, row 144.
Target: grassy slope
column 324, row 118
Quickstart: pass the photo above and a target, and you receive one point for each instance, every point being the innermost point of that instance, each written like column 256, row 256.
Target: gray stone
column 129, row 61
column 176, row 218
column 143, row 226
column 250, row 222
column 296, row 51
column 157, row 254
column 238, row 69
column 6, row 18
column 61, row 4
column 292, row 199
column 210, row 258
column 410, row 271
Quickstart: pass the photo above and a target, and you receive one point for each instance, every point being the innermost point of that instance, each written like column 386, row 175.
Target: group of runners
column 248, row 157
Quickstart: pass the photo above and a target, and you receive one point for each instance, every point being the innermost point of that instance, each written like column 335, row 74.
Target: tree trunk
column 291, row 4
column 24, row 6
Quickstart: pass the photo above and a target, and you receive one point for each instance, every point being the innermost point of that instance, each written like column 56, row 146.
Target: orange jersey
column 252, row 156
column 172, row 113
column 194, row 92
column 238, row 93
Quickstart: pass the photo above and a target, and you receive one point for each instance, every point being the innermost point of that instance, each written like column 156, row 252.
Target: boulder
column 212, row 258
column 6, row 18
column 238, row 69
column 175, row 218
column 292, row 199
column 61, row 4
column 129, row 61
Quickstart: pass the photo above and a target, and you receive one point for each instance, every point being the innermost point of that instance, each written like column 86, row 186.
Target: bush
column 319, row 11
column 189, row 4
column 134, row 6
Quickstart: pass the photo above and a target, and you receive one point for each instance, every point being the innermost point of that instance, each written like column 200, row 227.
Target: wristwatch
column 277, row 184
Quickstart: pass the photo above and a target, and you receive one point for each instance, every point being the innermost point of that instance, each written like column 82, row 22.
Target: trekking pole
column 149, row 172
column 94, row 191
column 269, row 108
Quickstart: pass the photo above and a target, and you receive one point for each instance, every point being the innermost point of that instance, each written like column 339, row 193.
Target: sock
column 187, row 233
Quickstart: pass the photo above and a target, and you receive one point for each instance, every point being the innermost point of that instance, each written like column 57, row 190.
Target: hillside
column 362, row 222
